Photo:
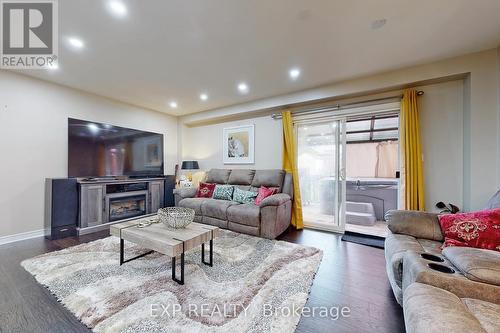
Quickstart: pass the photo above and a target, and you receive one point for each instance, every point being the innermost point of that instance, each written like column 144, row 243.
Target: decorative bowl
column 176, row 217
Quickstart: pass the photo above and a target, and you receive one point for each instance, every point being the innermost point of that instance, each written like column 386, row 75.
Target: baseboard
column 22, row 236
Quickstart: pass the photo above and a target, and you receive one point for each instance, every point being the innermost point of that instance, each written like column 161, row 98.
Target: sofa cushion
column 268, row 178
column 487, row 313
column 428, row 309
column 216, row 208
column 193, row 203
column 241, row 177
column 414, row 223
column 476, row 264
column 474, row 229
column 247, row 214
column 223, row 192
column 244, row 197
column 218, row 176
column 430, row 245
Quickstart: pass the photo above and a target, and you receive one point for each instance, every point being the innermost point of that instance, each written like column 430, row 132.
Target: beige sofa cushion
column 218, row 176
column 476, row 264
column 414, row 223
column 247, row 214
column 241, row 177
column 428, row 309
column 193, row 203
column 216, row 208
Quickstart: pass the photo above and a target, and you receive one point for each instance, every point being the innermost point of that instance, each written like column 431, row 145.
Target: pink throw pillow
column 263, row 193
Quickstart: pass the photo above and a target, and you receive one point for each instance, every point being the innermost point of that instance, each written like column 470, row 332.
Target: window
column 373, row 129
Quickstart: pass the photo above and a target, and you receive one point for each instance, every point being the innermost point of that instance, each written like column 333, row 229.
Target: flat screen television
column 102, row 150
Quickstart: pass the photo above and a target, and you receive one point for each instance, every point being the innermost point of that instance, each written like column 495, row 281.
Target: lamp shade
column 190, row 165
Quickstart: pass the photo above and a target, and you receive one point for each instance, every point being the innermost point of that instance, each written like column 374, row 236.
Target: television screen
column 102, row 150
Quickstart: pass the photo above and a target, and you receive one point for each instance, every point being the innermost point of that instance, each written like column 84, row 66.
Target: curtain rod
column 340, row 106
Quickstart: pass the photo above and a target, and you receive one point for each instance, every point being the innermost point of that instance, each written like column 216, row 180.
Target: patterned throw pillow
column 475, row 229
column 243, row 197
column 223, row 192
column 264, row 192
column 205, row 190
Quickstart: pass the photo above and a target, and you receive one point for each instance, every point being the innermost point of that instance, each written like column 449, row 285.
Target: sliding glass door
column 321, row 163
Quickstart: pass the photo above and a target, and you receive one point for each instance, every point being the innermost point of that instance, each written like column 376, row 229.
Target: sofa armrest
column 275, row 200
column 414, row 223
column 185, row 192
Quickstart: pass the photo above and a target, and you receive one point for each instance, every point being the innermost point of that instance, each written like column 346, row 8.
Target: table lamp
column 190, row 165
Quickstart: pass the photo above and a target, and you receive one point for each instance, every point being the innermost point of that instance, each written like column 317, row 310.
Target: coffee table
column 170, row 242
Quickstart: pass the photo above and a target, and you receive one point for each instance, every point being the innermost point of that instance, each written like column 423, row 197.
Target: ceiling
column 174, row 50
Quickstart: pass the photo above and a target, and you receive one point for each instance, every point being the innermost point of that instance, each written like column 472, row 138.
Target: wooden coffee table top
column 161, row 239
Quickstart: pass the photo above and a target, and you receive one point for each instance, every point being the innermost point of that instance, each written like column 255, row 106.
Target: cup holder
column 441, row 268
column 431, row 257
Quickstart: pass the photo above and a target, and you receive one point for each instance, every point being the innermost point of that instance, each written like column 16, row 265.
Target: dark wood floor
column 350, row 275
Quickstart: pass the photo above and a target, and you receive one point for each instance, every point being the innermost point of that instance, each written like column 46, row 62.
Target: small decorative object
column 238, row 143
column 176, row 217
column 190, row 165
column 447, row 209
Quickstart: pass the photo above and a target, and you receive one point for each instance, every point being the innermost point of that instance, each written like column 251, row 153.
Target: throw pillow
column 476, row 229
column 264, row 192
column 223, row 192
column 243, row 197
column 205, row 190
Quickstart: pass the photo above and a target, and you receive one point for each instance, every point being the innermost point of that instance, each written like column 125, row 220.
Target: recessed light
column 294, row 73
column 76, row 43
column 377, row 24
column 117, row 8
column 243, row 88
column 203, row 97
column 173, row 105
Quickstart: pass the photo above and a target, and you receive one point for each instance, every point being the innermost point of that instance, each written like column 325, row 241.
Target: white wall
column 481, row 113
column 204, row 143
column 441, row 122
column 33, row 141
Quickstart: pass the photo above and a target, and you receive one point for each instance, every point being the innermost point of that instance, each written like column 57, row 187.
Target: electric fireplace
column 123, row 207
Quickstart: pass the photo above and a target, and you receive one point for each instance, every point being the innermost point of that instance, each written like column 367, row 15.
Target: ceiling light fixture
column 76, row 43
column 203, row 97
column 117, row 8
column 294, row 73
column 243, row 88
column 173, row 105
column 377, row 24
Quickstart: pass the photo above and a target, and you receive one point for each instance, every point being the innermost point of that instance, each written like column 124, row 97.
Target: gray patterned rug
column 255, row 285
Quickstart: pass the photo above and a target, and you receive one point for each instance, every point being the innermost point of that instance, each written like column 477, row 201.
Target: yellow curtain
column 411, row 153
column 290, row 165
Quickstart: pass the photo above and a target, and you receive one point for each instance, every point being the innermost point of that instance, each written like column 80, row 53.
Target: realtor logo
column 29, row 34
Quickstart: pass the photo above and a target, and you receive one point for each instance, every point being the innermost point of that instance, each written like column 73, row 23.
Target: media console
column 82, row 206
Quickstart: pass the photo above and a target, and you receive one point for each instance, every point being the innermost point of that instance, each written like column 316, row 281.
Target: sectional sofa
column 452, row 290
column 268, row 219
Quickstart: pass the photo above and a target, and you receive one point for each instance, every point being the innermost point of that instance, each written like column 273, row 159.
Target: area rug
column 255, row 285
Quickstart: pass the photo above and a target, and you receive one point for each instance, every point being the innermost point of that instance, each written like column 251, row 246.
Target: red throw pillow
column 263, row 193
column 476, row 229
column 205, row 190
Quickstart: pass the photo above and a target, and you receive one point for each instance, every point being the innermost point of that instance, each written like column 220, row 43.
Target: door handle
column 342, row 174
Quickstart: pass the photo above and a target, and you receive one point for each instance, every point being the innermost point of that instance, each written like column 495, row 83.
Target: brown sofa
column 413, row 233
column 454, row 289
column 269, row 219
